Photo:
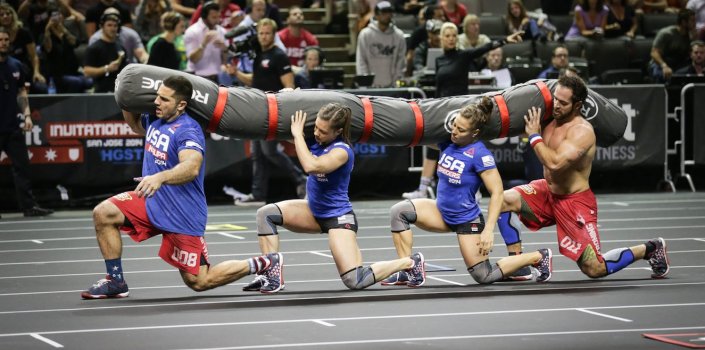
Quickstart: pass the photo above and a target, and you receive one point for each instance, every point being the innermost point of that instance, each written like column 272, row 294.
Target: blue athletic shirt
column 328, row 193
column 175, row 208
column 459, row 178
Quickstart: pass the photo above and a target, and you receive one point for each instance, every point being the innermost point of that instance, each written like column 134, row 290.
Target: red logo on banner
column 50, row 155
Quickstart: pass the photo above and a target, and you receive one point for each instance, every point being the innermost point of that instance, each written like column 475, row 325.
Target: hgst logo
column 153, row 84
column 590, row 110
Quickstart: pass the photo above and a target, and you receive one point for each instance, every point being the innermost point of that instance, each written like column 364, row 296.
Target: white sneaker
column 419, row 193
column 249, row 201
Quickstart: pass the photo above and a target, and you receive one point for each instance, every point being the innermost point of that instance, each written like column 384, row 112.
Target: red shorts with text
column 575, row 217
column 186, row 253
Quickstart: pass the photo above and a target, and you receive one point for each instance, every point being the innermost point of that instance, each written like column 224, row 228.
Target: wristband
column 535, row 139
column 106, row 70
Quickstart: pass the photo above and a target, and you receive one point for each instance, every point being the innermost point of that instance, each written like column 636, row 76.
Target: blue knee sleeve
column 508, row 224
column 617, row 259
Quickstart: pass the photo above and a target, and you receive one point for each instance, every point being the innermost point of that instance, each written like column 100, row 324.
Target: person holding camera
column 61, row 61
column 271, row 72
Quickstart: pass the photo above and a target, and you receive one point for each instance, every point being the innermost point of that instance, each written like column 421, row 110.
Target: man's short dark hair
column 684, row 15
column 4, row 30
column 183, row 89
column 576, row 85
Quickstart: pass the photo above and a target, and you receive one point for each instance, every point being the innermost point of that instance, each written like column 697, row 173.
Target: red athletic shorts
column 185, row 252
column 575, row 217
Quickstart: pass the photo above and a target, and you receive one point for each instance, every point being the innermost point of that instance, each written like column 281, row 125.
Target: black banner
column 643, row 142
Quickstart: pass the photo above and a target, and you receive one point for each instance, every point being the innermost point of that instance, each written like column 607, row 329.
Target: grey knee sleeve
column 403, row 214
column 359, row 278
column 268, row 217
column 485, row 273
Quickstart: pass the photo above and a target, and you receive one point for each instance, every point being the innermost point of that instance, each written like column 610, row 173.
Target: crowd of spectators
column 81, row 46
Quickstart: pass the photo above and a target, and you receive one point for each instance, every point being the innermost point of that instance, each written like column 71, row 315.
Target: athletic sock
column 617, row 259
column 258, row 264
column 509, row 228
column 114, row 269
column 650, row 247
column 425, row 183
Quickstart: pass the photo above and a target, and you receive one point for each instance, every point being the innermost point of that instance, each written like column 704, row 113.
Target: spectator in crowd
column 381, row 48
column 519, row 21
column 661, row 6
column 23, row 47
column 14, row 101
column 589, row 22
column 34, row 14
column 365, row 13
column 313, row 59
column 433, row 27
column 205, row 43
column 94, row 14
column 454, row 10
column 559, row 60
column 495, row 66
column 698, row 6
column 185, row 7
column 453, row 66
column 271, row 11
column 164, row 52
column 671, row 47
column 128, row 38
column 295, row 37
column 471, row 37
column 697, row 60
column 556, row 7
column 420, row 33
column 230, row 14
column 272, row 72
column 408, row 7
column 621, row 20
column 105, row 58
column 62, row 65
column 149, row 14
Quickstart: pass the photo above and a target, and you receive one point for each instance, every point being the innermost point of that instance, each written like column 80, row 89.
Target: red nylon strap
column 273, row 117
column 219, row 108
column 547, row 99
column 418, row 132
column 369, row 120
column 503, row 114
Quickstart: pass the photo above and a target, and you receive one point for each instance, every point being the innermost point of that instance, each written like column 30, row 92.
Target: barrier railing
column 680, row 145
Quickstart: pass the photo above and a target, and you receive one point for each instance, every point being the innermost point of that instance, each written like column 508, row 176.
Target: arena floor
column 45, row 263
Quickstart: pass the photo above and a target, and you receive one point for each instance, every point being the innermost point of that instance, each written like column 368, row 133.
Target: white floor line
column 342, row 319
column 374, row 294
column 459, row 337
column 229, row 235
column 604, row 315
column 699, row 239
column 324, row 323
column 621, row 204
column 445, row 281
column 321, row 254
column 46, row 340
column 37, row 241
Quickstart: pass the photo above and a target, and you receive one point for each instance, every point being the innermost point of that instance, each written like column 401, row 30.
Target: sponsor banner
column 641, row 145
column 698, row 124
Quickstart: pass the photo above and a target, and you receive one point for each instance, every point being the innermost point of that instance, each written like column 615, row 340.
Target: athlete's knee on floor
column 403, row 215
column 358, row 278
column 485, row 272
column 268, row 217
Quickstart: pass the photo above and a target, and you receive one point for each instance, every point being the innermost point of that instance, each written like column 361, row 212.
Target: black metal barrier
column 82, row 140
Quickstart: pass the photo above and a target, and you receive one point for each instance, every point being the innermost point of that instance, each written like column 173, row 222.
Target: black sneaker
column 400, row 278
column 417, row 273
column 273, row 277
column 659, row 259
column 37, row 211
column 106, row 288
column 523, row 274
column 249, row 201
column 544, row 266
column 255, row 285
